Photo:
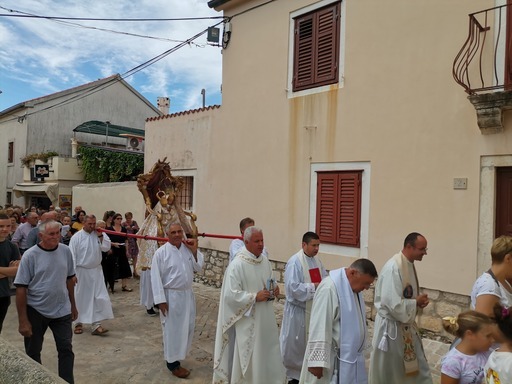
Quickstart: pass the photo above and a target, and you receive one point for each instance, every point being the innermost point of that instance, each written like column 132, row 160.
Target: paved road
column 132, row 351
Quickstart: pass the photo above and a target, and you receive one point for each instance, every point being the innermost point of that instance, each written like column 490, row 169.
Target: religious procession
column 63, row 270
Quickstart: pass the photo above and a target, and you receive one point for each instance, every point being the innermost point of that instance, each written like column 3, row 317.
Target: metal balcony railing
column 482, row 65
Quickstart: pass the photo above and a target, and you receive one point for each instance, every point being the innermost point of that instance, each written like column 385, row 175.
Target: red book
column 315, row 275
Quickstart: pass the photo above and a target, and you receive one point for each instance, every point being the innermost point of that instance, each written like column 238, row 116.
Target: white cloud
column 49, row 56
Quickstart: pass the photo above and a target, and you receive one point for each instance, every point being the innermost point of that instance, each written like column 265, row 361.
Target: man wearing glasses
column 398, row 355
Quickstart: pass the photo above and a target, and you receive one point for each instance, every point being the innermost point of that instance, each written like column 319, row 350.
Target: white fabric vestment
column 237, row 245
column 172, row 274
column 292, row 338
column 337, row 333
column 234, row 247
column 91, row 296
column 392, row 311
column 249, row 326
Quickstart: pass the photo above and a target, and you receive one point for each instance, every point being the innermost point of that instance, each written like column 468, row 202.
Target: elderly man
column 337, row 331
column 33, row 237
column 77, row 210
column 302, row 275
column 246, row 343
column 91, row 294
column 45, row 297
column 172, row 273
column 398, row 355
column 20, row 237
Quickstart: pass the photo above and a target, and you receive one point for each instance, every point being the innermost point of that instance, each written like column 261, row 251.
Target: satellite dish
column 134, row 142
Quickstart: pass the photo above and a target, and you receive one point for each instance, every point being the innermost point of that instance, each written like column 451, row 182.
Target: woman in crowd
column 119, row 251
column 132, row 249
column 79, row 223
column 107, row 218
column 108, row 261
column 493, row 286
column 465, row 363
column 65, row 231
column 499, row 365
column 14, row 225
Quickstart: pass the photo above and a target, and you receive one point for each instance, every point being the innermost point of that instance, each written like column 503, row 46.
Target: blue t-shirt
column 45, row 274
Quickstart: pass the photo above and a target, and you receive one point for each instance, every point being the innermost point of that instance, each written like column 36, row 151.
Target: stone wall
column 441, row 303
column 16, row 367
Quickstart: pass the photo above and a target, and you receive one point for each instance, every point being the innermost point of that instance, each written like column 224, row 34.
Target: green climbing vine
column 101, row 166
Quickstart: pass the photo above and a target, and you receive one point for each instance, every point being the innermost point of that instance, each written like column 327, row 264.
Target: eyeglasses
column 421, row 249
column 118, row 218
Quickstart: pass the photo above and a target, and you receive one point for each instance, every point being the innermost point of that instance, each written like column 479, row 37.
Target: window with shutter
column 338, row 211
column 316, row 51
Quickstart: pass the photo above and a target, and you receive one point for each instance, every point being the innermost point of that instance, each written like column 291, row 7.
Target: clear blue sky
column 40, row 56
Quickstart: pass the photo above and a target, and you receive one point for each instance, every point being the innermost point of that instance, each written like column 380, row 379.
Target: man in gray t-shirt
column 45, row 297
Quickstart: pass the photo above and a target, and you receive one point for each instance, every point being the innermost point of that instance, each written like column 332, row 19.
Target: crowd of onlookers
column 116, row 262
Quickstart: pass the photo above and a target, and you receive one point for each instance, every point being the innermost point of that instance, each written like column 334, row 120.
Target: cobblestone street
column 132, row 351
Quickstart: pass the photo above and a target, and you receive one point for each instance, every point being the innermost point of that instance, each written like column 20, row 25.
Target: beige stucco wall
column 396, row 108
column 120, row 197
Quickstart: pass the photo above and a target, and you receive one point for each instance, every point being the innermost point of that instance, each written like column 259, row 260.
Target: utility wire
column 33, row 16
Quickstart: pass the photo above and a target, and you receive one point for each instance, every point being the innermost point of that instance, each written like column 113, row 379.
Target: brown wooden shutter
column 349, row 214
column 304, row 52
column 327, row 39
column 316, row 42
column 338, row 209
column 327, row 201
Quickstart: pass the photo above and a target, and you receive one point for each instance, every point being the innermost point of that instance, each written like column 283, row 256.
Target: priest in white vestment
column 337, row 330
column 91, row 296
column 237, row 244
column 398, row 355
column 303, row 274
column 172, row 273
column 246, row 342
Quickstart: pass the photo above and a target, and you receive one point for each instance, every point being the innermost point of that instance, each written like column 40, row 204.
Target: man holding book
column 303, row 274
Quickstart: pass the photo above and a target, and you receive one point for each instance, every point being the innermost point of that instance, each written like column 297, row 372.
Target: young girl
column 465, row 363
column 498, row 369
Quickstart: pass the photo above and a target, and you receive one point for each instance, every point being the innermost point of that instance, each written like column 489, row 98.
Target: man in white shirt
column 91, row 294
column 172, row 273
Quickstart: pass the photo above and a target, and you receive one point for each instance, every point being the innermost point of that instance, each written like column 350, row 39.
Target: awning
column 50, row 189
column 102, row 128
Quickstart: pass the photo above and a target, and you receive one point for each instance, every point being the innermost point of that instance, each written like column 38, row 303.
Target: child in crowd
column 498, row 369
column 465, row 363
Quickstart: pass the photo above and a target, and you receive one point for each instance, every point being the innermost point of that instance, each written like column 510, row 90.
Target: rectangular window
column 10, row 152
column 316, row 48
column 8, row 198
column 185, row 197
column 338, row 209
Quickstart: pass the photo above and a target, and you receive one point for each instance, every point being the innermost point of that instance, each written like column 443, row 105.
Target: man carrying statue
column 160, row 191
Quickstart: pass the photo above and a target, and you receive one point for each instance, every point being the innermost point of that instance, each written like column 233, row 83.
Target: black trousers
column 62, row 333
column 4, row 305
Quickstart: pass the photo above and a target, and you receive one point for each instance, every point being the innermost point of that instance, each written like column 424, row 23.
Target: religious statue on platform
column 161, row 195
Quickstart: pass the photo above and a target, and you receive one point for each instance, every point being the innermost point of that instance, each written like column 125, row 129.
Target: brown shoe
column 180, row 372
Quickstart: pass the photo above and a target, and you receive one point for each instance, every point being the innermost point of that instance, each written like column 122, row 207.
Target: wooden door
column 503, row 201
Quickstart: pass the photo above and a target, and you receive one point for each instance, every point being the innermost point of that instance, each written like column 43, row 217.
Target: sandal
column 126, row 289
column 99, row 331
column 78, row 330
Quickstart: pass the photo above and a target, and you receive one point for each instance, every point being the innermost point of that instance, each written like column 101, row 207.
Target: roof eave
column 216, row 3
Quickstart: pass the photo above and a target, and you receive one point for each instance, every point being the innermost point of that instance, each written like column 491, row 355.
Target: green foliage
column 101, row 166
column 43, row 156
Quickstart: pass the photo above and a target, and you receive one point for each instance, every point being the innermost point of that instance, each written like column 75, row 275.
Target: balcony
column 483, row 67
